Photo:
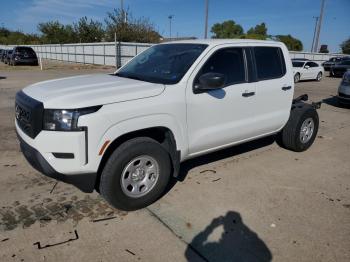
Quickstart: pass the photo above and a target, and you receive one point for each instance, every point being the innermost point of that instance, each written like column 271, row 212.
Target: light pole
column 317, row 39
column 313, row 39
column 170, row 18
column 206, row 19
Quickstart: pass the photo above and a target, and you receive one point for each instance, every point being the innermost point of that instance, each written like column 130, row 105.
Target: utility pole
column 206, row 19
column 313, row 39
column 317, row 39
column 124, row 15
column 170, row 18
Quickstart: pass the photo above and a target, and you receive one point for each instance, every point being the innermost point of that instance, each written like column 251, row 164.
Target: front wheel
column 301, row 129
column 136, row 174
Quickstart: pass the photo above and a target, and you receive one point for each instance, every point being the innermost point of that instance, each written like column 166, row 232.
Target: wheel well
column 162, row 135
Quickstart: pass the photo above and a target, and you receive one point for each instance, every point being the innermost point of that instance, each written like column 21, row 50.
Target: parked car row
column 305, row 69
column 19, row 55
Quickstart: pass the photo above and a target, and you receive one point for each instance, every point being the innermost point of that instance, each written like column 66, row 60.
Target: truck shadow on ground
column 333, row 101
column 237, row 242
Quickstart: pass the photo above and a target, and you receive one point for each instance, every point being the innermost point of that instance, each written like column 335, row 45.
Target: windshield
column 298, row 64
column 25, row 51
column 346, row 62
column 164, row 64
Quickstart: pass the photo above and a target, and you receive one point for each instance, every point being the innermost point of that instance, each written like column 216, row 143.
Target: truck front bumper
column 85, row 182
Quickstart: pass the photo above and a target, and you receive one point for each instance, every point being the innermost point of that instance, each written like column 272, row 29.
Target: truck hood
column 90, row 90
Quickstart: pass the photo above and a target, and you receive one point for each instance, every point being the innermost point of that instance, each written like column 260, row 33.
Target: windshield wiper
column 130, row 76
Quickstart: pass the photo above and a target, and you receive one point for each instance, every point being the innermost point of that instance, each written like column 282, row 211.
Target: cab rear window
column 269, row 62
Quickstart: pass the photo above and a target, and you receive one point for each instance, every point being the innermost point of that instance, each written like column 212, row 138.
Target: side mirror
column 210, row 81
column 306, row 67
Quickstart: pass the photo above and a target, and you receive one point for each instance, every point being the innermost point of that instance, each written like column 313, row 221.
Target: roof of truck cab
column 214, row 42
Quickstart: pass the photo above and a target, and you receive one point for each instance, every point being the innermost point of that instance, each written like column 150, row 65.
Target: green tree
column 253, row 36
column 133, row 30
column 54, row 32
column 258, row 32
column 88, row 31
column 293, row 44
column 345, row 46
column 8, row 37
column 227, row 29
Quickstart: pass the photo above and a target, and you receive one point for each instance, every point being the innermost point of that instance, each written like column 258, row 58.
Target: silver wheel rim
column 139, row 176
column 307, row 130
column 296, row 78
column 319, row 76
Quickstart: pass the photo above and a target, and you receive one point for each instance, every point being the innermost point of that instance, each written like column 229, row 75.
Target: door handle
column 247, row 94
column 285, row 88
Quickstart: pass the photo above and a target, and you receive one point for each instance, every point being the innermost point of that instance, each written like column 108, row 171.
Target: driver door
column 221, row 117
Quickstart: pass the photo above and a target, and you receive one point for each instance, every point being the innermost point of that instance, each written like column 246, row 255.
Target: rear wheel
column 301, row 129
column 319, row 76
column 296, row 78
column 136, row 174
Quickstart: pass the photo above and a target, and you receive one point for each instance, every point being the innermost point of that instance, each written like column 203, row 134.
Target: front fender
column 144, row 122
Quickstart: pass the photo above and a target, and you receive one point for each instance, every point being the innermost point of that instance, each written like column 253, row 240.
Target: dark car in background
column 23, row 55
column 3, row 54
column 333, row 61
column 339, row 69
column 8, row 56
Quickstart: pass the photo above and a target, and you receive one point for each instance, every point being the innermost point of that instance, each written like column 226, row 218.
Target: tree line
column 87, row 31
column 230, row 29
column 130, row 29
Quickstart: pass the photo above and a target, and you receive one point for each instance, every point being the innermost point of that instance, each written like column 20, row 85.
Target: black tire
column 331, row 73
column 110, row 184
column 319, row 77
column 296, row 78
column 290, row 134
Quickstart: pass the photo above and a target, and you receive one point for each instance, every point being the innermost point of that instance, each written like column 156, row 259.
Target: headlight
column 65, row 119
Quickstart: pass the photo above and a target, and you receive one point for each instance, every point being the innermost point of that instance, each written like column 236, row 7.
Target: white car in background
column 307, row 70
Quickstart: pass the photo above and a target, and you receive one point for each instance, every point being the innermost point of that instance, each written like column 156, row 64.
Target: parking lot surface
column 254, row 202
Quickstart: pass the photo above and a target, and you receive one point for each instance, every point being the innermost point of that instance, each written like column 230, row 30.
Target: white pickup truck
column 125, row 134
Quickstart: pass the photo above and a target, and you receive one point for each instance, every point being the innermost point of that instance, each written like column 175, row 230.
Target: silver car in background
column 344, row 89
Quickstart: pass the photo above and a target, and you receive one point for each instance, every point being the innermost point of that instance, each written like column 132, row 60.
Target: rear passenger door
column 314, row 70
column 274, row 88
column 221, row 117
column 308, row 71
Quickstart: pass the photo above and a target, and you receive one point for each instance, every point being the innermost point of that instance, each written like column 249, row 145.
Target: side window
column 269, row 62
column 313, row 64
column 229, row 62
column 308, row 64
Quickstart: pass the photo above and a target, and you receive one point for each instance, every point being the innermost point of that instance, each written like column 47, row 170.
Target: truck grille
column 29, row 114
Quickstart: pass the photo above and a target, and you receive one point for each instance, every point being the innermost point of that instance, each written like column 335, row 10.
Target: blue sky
column 293, row 17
